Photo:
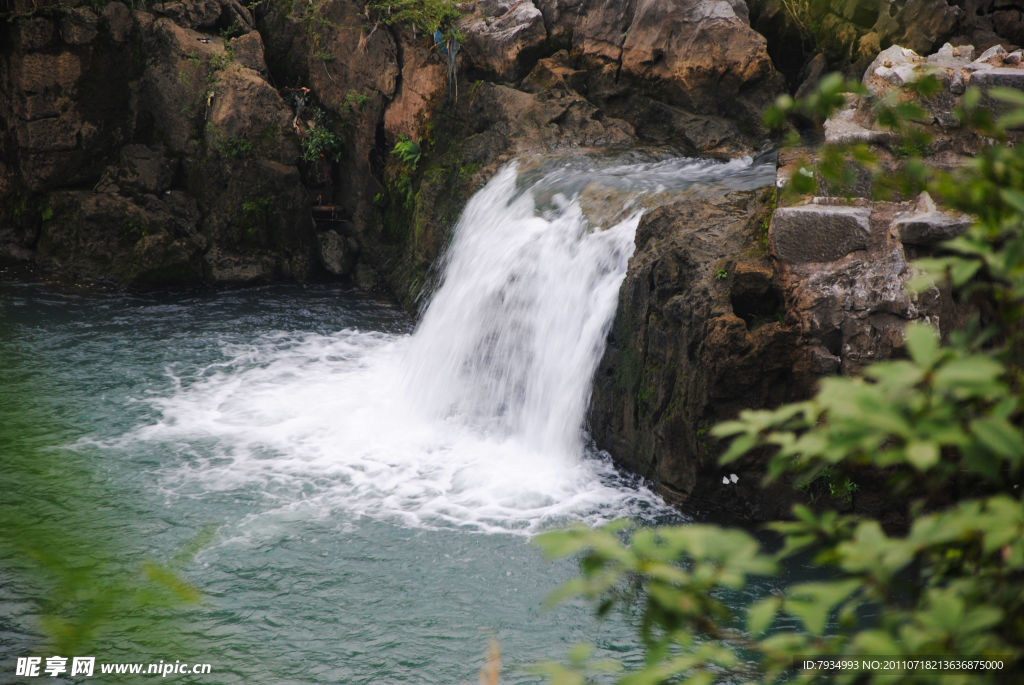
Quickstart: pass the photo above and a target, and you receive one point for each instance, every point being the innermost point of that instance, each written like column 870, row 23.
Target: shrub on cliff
column 941, row 430
column 427, row 16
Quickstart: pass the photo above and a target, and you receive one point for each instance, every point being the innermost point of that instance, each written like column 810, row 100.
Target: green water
column 308, row 578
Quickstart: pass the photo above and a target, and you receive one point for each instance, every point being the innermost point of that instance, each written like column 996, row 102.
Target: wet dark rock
column 140, row 170
column 190, row 156
column 336, row 252
column 698, row 335
column 115, row 239
column 191, row 14
column 79, row 26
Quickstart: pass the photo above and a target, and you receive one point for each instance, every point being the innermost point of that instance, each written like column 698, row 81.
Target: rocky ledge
column 730, row 305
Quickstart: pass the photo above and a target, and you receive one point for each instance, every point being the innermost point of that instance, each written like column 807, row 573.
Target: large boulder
column 424, row 82
column 245, row 113
column 926, row 224
column 177, row 87
column 504, row 36
column 698, row 54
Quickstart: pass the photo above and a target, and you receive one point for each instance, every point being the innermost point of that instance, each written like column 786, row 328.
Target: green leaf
column 1000, row 437
column 963, row 270
column 761, row 614
column 1014, row 118
column 580, row 652
column 1010, row 95
column 971, row 98
column 922, row 454
column 738, row 447
column 813, row 602
column 873, row 642
column 1014, row 198
column 897, row 374
column 968, row 371
column 923, row 344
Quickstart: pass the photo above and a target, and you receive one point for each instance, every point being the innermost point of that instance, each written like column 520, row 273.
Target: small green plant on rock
column 258, row 210
column 228, row 147
column 408, row 150
column 319, row 141
column 766, row 222
column 426, row 16
column 137, row 227
column 355, row 100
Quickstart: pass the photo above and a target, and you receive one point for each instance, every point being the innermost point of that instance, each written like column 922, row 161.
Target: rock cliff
column 139, row 150
column 729, row 305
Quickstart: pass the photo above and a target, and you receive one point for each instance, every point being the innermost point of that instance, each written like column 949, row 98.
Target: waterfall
column 512, row 336
column 473, row 421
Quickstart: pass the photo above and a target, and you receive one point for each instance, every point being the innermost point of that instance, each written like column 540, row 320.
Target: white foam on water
column 475, row 421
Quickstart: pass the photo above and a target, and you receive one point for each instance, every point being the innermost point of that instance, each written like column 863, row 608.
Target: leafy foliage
column 319, row 141
column 939, row 430
column 422, row 15
column 407, row 150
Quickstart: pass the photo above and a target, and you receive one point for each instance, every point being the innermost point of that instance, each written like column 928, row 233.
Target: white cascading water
column 513, row 335
column 474, row 421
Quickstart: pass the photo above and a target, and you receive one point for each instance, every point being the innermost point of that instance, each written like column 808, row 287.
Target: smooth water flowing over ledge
column 372, row 489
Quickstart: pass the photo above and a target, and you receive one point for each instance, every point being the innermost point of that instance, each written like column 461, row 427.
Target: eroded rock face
column 723, row 310
column 701, row 54
column 850, row 296
column 690, row 73
column 502, row 36
column 207, row 14
column 956, row 68
column 699, row 334
column 852, row 32
column 189, row 153
column 113, row 238
column 926, row 224
column 424, row 82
